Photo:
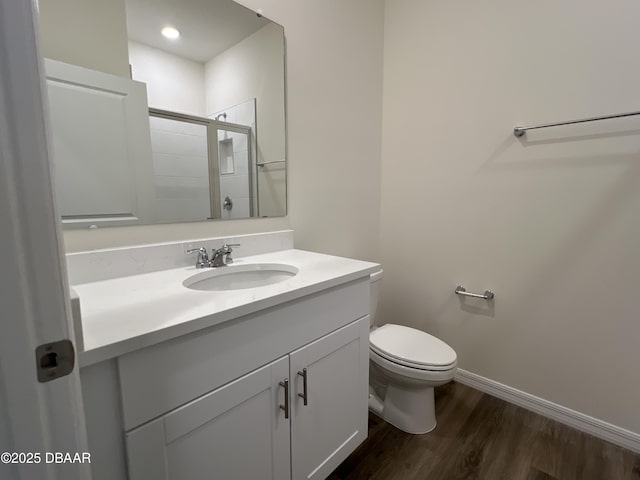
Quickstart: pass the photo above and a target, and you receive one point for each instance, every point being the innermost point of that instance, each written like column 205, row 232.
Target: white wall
column 173, row 83
column 550, row 222
column 334, row 92
column 88, row 33
column 334, row 102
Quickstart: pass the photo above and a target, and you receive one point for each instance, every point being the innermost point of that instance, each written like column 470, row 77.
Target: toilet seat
column 416, row 366
column 404, row 374
column 412, row 348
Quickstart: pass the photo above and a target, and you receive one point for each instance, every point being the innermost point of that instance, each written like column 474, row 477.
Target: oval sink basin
column 240, row 277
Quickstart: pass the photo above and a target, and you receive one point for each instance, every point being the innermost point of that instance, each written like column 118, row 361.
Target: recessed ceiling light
column 170, row 32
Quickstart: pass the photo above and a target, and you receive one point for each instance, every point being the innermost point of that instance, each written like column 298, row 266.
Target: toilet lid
column 411, row 347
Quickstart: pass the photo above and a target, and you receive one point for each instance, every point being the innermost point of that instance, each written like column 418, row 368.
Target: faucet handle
column 203, row 257
column 226, row 252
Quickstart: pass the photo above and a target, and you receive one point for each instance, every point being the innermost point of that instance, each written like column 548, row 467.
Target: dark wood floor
column 481, row 437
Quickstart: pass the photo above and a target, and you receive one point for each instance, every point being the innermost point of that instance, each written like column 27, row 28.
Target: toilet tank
column 376, row 281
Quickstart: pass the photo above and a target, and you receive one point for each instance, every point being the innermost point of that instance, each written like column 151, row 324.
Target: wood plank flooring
column 481, row 437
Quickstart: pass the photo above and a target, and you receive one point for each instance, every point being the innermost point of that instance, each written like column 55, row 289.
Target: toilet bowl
column 405, row 366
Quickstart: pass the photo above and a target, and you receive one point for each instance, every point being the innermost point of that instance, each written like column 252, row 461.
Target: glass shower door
column 180, row 154
column 235, row 174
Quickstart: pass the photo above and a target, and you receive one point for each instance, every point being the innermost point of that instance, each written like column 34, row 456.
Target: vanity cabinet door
column 238, row 432
column 334, row 421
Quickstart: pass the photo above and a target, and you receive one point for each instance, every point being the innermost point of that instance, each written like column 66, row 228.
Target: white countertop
column 124, row 314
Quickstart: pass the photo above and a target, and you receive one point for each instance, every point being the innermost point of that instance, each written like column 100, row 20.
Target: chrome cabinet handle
column 285, row 407
column 304, row 396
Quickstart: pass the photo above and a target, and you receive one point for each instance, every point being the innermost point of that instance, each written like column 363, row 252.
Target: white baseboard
column 580, row 421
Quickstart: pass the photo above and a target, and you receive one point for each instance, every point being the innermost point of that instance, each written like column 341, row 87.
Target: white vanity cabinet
column 212, row 404
column 248, row 430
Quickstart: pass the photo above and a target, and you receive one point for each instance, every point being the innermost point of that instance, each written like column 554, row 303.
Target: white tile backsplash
column 97, row 265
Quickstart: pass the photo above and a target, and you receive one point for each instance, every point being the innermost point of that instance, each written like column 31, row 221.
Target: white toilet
column 405, row 365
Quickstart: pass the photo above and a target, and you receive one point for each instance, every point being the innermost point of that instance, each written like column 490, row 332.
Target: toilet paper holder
column 487, row 295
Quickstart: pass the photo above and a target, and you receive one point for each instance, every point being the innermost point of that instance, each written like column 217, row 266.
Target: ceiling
column 207, row 27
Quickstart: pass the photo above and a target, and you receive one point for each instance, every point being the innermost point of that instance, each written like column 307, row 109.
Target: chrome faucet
column 203, row 258
column 222, row 256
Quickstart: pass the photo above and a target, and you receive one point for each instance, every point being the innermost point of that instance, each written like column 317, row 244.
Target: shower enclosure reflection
column 197, row 164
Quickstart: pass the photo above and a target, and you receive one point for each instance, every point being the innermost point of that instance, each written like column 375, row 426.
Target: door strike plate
column 55, row 360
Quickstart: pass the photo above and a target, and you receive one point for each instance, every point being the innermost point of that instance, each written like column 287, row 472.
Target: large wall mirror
column 164, row 111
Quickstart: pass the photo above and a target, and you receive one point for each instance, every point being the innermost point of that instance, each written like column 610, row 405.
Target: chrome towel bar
column 520, row 131
column 487, row 295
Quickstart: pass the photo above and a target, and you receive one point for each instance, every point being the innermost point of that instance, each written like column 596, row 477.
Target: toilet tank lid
column 410, row 345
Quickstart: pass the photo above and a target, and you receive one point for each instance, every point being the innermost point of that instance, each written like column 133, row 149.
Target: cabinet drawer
column 158, row 379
